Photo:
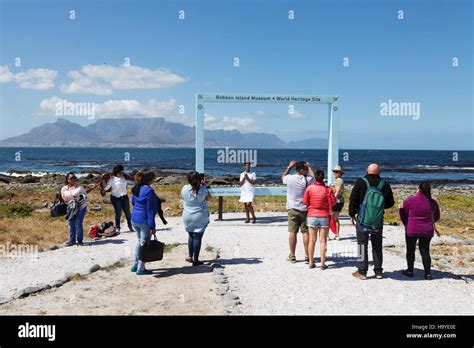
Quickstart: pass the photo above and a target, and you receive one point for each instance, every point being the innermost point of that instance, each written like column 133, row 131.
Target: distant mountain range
column 147, row 132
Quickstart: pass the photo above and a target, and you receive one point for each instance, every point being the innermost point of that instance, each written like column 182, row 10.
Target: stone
column 44, row 287
column 221, row 289
column 4, row 300
column 231, row 296
column 220, row 279
column 218, row 271
column 59, row 282
column 236, row 311
column 71, row 275
column 26, row 291
column 53, row 247
column 229, row 309
column 216, row 265
column 94, row 268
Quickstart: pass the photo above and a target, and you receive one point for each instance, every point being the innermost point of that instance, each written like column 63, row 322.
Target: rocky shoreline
column 49, row 180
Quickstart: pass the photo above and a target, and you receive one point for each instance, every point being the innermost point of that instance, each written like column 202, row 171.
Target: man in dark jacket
column 356, row 198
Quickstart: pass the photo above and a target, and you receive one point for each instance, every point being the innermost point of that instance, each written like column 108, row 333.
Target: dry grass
column 40, row 229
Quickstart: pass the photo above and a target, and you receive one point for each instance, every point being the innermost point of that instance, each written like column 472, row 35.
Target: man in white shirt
column 119, row 196
column 297, row 211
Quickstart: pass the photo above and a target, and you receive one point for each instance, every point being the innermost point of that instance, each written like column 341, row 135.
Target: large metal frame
column 333, row 118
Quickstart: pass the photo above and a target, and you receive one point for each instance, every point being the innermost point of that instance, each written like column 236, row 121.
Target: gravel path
column 254, row 257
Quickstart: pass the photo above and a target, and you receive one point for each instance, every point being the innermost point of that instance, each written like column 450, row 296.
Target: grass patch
column 209, row 249
column 15, row 209
column 169, row 247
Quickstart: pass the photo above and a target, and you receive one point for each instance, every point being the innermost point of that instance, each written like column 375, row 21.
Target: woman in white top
column 73, row 191
column 119, row 196
column 247, row 191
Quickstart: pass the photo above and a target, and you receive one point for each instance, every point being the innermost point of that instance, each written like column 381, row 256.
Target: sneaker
column 429, row 276
column 358, row 275
column 407, row 273
column 291, row 259
column 198, row 263
column 144, row 272
column 188, row 259
column 117, row 230
column 379, row 275
column 133, row 269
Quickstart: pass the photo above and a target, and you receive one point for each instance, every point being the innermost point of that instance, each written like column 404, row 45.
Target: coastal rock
column 173, row 180
column 230, row 300
column 4, row 300
column 29, row 179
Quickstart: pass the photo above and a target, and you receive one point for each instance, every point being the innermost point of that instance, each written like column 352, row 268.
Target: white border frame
column 333, row 119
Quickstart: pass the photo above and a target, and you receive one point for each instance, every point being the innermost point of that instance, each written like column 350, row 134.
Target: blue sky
column 408, row 60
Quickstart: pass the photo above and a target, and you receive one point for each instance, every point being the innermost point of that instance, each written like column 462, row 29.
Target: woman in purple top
column 419, row 214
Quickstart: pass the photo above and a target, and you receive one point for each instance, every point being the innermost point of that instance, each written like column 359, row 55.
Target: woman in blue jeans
column 145, row 206
column 72, row 191
column 195, row 214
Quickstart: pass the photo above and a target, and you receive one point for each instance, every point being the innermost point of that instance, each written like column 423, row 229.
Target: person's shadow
column 205, row 268
column 419, row 275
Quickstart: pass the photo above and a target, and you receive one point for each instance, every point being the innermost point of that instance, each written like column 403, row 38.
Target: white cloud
column 39, row 79
column 243, row 124
column 125, row 108
column 103, row 79
column 260, row 113
column 5, row 74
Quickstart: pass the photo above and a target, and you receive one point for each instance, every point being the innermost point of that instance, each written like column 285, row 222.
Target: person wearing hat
column 338, row 188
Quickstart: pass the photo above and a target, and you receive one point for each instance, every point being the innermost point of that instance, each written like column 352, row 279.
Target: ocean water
column 404, row 166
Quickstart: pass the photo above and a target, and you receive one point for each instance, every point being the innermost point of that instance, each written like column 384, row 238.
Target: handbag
column 152, row 250
column 58, row 208
column 332, row 223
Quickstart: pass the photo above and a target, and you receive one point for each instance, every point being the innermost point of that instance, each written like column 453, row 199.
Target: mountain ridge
column 145, row 132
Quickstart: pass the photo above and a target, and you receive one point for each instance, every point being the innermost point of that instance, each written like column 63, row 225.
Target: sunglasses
column 336, row 171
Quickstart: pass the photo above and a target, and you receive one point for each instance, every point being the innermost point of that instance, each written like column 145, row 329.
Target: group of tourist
column 310, row 203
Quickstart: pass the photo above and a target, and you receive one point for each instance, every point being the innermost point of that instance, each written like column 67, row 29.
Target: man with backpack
column 369, row 197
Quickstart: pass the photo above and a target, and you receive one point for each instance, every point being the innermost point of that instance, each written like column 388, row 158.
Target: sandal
column 323, row 267
column 306, row 260
column 312, row 266
column 291, row 259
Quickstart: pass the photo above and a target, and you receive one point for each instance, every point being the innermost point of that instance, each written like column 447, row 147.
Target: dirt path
column 174, row 289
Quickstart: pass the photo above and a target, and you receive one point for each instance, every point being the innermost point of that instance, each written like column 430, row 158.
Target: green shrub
column 8, row 209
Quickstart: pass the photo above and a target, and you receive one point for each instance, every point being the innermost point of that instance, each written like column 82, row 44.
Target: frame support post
column 333, row 146
column 199, row 134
